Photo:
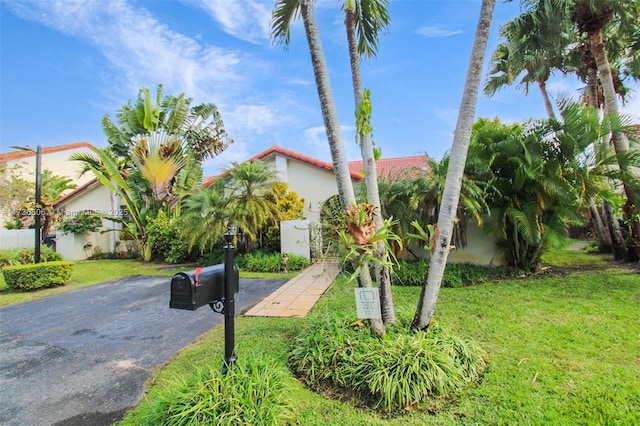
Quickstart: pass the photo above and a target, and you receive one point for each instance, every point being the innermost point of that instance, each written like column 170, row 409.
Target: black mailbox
column 202, row 286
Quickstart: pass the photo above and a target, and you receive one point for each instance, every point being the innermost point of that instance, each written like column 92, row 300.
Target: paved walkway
column 300, row 294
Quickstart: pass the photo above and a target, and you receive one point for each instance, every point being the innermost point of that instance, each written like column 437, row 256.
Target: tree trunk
column 457, row 160
column 548, row 105
column 619, row 247
column 370, row 174
column 604, row 236
column 332, row 126
column 327, row 105
column 620, row 140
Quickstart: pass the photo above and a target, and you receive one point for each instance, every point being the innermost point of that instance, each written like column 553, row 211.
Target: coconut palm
column 283, row 14
column 364, row 19
column 462, row 135
column 528, row 48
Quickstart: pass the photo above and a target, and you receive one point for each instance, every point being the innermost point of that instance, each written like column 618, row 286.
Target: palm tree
column 528, row 48
column 592, row 17
column 284, row 12
column 205, row 218
column 364, row 19
column 462, row 135
column 250, row 207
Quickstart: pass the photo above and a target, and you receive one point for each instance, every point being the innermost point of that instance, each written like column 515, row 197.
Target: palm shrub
column 254, row 392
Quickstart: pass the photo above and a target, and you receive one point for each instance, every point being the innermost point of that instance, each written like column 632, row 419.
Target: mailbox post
column 230, row 356
column 215, row 286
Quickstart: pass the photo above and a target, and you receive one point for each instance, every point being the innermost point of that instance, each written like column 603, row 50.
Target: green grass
column 563, row 348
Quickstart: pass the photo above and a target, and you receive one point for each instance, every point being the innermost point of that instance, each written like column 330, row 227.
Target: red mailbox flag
column 198, row 270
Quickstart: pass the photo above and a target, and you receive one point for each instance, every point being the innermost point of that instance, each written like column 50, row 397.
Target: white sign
column 368, row 303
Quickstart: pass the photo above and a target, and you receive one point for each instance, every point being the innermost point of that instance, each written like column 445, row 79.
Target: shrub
column 82, row 222
column 406, row 368
column 24, row 256
column 35, row 276
column 260, row 261
column 413, row 273
column 164, row 237
column 251, row 393
column 212, row 258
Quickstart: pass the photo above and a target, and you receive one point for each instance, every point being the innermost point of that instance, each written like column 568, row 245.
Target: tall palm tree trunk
column 453, row 183
column 620, row 140
column 605, row 244
column 370, row 174
column 332, row 126
column 548, row 105
column 327, row 105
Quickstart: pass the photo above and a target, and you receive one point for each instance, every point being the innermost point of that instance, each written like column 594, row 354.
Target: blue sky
column 65, row 64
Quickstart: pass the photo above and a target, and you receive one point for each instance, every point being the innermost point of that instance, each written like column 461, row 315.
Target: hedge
column 36, row 276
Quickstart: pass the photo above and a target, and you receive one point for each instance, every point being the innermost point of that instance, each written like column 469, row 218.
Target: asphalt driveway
column 81, row 357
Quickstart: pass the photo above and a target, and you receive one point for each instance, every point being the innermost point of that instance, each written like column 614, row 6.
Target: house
column 22, row 163
column 313, row 180
column 95, row 197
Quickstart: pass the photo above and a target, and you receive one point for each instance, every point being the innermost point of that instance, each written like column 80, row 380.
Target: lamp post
column 38, row 207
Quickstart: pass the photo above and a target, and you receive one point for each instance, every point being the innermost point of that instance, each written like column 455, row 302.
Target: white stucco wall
column 294, row 238
column 97, row 198
column 481, row 249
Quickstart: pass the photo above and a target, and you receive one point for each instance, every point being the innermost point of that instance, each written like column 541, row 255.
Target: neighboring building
column 54, row 159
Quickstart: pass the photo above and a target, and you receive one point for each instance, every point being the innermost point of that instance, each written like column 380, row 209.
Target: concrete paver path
column 299, row 295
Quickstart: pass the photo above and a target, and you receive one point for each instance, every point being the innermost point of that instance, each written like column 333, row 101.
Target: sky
column 65, row 64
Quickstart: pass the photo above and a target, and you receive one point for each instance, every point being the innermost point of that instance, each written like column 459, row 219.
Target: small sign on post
column 368, row 303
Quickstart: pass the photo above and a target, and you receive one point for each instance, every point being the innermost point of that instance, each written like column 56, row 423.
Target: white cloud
column 144, row 50
column 247, row 20
column 437, row 31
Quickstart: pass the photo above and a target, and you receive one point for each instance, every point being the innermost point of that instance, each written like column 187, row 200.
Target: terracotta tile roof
column 387, row 166
column 45, row 150
column 275, row 149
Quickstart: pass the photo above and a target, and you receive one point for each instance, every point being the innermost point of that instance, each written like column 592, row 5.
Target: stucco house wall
column 93, row 197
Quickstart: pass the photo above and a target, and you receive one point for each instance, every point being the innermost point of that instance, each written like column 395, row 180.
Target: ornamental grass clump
column 252, row 393
column 404, row 370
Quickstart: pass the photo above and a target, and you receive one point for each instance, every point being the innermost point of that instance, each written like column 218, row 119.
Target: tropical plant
column 453, row 184
column 154, row 157
column 250, row 207
column 81, row 222
column 205, row 218
column 18, row 197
